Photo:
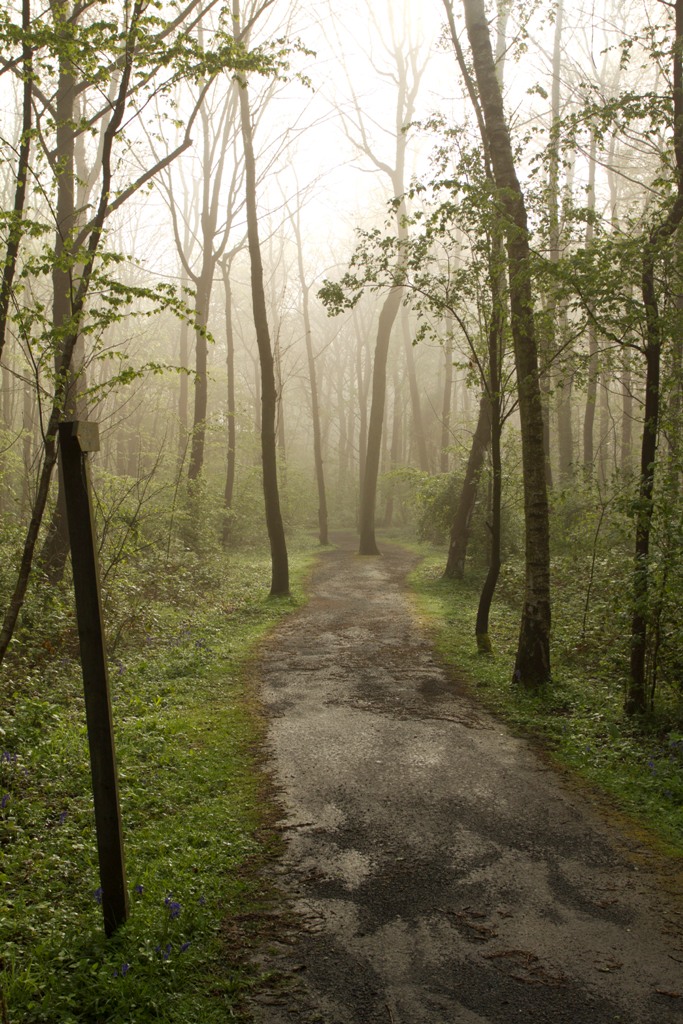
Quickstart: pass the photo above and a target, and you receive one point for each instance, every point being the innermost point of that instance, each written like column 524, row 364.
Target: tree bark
column 231, row 407
column 392, row 304
column 532, row 664
column 446, row 404
column 639, row 697
column 313, row 383
column 460, row 530
column 415, row 404
column 21, row 180
column 276, row 531
column 481, row 629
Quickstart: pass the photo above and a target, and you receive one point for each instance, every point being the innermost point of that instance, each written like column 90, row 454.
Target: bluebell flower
column 5, row 800
column 139, row 889
column 124, row 969
column 174, row 910
column 185, row 946
column 98, row 894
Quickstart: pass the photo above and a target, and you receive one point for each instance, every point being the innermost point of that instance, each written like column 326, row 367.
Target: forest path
column 438, row 870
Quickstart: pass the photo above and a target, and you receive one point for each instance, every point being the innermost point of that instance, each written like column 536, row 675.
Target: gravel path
column 437, row 870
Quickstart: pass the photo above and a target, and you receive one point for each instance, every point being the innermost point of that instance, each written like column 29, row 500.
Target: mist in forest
column 314, row 266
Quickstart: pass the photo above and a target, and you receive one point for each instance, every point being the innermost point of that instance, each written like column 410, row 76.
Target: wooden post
column 76, row 439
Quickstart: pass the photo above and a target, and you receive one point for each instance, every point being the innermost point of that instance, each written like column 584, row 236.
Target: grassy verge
column 578, row 720
column 192, row 804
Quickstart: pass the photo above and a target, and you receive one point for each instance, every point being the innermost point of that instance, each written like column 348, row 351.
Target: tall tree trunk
column 604, row 425
column 392, row 304
column 363, row 387
column 460, row 530
column 231, row 409
column 446, row 404
column 276, row 531
column 593, row 368
column 16, row 230
column 415, row 404
column 315, row 410
column 395, row 448
column 201, row 388
column 639, row 696
column 626, row 452
column 66, row 339
column 565, row 433
column 532, row 664
column 183, row 394
column 496, row 335
column 55, row 550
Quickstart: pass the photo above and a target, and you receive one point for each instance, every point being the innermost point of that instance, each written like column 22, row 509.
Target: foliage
column 192, row 802
column 579, row 719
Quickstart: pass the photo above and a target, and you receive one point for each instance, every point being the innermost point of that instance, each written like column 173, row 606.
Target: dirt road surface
column 438, row 871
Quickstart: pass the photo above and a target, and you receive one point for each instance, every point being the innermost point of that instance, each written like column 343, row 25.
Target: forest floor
column 436, row 870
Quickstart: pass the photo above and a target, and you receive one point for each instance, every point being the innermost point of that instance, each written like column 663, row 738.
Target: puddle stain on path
column 440, row 873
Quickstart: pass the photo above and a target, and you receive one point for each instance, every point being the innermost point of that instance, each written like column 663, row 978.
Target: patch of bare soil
column 437, row 870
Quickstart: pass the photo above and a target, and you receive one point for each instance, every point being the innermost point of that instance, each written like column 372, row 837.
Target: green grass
column 578, row 720
column 194, row 801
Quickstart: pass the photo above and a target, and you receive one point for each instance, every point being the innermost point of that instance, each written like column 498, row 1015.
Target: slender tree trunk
column 593, row 367
column 532, row 664
column 21, row 181
column 392, row 304
column 446, row 404
column 276, row 532
column 231, row 410
column 638, row 696
column 201, row 388
column 183, row 395
column 603, row 427
column 626, row 453
column 315, row 410
column 395, row 448
column 28, row 426
column 363, row 386
column 460, row 530
column 55, row 550
column 565, row 433
column 415, row 404
column 481, row 628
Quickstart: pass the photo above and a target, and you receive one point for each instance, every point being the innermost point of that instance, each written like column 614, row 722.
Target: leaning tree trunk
column 532, row 664
column 274, row 523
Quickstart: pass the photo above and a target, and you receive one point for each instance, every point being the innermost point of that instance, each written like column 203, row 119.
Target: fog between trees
column 301, row 252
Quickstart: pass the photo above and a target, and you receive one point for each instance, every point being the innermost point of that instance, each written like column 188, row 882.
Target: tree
column 119, row 61
column 638, row 697
column 532, row 663
column 313, row 383
column 276, row 532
